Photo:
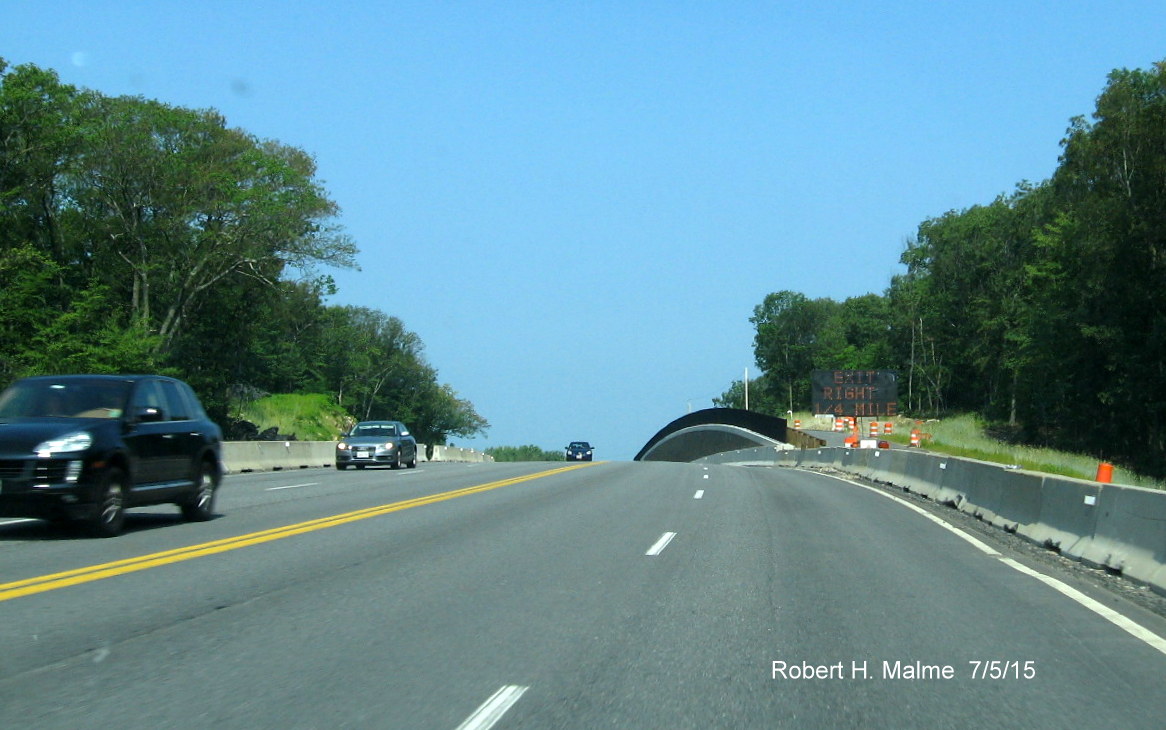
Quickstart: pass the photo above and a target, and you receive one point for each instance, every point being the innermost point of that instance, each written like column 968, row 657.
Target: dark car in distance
column 87, row 447
column 377, row 443
column 579, row 451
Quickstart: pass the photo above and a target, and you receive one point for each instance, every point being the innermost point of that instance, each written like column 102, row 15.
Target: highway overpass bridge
column 717, row 430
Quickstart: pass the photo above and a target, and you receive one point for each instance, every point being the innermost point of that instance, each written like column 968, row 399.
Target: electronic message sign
column 858, row 393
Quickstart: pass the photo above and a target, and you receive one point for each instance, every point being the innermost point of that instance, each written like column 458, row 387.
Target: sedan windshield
column 380, row 430
column 70, row 398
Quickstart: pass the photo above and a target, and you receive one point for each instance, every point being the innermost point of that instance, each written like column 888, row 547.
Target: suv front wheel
column 201, row 505
column 109, row 516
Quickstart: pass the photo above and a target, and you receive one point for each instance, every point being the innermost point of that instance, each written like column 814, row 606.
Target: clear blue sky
column 576, row 205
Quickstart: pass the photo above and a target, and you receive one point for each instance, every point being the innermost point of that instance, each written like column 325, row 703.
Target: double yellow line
column 44, row 583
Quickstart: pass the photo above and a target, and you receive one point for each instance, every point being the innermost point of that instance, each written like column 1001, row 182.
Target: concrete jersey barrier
column 242, row 456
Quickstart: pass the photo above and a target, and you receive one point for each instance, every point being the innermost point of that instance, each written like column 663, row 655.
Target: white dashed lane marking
column 492, row 710
column 661, row 544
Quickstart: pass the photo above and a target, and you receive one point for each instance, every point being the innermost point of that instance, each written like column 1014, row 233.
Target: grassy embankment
column 966, row 436
column 310, row 417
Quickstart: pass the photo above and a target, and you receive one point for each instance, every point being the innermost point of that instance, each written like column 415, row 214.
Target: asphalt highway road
column 621, row 595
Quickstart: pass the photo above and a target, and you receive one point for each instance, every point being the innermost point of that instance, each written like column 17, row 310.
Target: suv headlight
column 341, row 446
column 76, row 441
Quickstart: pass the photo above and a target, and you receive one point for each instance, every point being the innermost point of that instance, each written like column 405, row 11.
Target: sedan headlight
column 389, row 445
column 76, row 441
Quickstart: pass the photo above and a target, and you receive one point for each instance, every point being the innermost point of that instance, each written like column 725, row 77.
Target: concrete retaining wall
column 454, row 453
column 1112, row 526
column 243, row 456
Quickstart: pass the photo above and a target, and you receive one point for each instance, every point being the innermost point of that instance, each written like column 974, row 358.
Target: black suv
column 86, row 447
column 579, row 451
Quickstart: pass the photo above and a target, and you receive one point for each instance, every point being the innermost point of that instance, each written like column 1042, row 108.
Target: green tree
column 48, row 326
column 41, row 137
column 178, row 202
column 761, row 398
column 528, row 452
column 375, row 368
column 135, row 235
column 1044, row 309
column 789, row 326
column 964, row 292
column 922, row 364
column 441, row 413
column 854, row 336
column 734, row 397
column 1106, row 261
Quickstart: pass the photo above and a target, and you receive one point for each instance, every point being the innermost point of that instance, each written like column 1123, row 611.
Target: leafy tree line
column 138, row 236
column 1043, row 311
column 527, row 452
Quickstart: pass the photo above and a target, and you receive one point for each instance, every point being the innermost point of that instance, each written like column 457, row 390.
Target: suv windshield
column 65, row 398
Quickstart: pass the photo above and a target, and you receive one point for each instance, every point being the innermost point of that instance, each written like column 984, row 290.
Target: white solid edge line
column 661, row 544
column 1133, row 628
column 979, row 545
column 492, row 710
column 699, row 494
column 1126, row 624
